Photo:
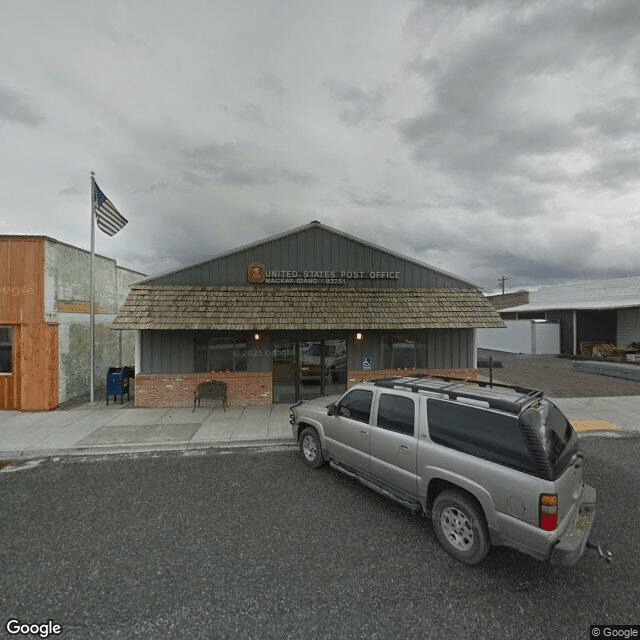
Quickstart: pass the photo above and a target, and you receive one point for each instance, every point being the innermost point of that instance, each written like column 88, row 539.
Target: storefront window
column 404, row 352
column 6, row 355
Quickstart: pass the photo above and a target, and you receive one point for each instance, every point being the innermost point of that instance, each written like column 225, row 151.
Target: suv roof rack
column 420, row 382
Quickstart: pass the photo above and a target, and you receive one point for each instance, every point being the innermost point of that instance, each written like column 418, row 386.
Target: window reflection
column 404, row 352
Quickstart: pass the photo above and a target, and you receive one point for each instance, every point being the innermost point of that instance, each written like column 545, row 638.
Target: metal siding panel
column 155, row 352
column 186, row 360
column 311, row 248
column 469, row 349
column 448, row 349
column 431, row 356
column 439, row 349
column 369, row 347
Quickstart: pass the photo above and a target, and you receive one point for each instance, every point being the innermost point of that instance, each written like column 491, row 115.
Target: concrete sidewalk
column 99, row 429
column 604, row 413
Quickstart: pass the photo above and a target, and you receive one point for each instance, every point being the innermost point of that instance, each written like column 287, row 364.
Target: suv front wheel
column 310, row 448
column 460, row 526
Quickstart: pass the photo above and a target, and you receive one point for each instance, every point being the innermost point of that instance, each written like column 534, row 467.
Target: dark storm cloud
column 357, row 105
column 152, row 188
column 475, row 123
column 15, row 108
column 72, row 190
column 249, row 113
column 237, row 165
column 617, row 119
column 270, row 83
column 483, row 137
column 121, row 38
column 373, row 199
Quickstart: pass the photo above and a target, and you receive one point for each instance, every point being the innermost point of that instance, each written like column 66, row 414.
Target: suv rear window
column 555, row 432
column 479, row 432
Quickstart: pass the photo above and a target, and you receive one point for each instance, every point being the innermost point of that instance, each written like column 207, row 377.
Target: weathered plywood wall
column 37, row 360
column 21, row 280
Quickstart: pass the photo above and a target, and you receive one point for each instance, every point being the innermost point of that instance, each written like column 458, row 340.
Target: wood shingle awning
column 292, row 308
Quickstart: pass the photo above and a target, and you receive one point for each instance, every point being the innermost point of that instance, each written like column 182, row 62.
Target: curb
column 143, row 447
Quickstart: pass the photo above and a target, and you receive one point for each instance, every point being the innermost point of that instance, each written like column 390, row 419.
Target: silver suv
column 491, row 464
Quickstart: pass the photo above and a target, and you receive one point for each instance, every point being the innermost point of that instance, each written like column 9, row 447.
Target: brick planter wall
column 359, row 376
column 176, row 390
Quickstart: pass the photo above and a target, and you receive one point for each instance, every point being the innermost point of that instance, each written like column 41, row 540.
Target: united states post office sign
column 259, row 273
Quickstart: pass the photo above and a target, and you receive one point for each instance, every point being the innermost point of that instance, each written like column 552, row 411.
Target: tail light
column 548, row 511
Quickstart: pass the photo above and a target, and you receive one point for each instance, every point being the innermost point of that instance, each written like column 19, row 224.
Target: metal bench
column 213, row 389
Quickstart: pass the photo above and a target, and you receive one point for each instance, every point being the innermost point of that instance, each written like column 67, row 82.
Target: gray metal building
column 599, row 311
column 306, row 312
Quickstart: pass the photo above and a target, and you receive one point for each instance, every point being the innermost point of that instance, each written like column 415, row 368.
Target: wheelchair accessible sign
column 366, row 363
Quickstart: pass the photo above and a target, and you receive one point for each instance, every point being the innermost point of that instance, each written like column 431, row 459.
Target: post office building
column 308, row 312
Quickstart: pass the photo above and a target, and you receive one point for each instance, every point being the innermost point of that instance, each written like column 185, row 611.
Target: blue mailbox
column 118, row 382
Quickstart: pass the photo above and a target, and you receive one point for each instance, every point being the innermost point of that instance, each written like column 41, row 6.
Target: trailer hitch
column 604, row 553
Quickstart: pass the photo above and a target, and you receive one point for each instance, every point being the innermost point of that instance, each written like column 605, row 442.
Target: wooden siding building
column 44, row 320
column 304, row 313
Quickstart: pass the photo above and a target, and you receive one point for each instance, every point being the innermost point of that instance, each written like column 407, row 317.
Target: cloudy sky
column 487, row 138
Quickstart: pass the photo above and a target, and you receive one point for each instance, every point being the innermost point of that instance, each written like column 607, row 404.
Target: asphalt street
column 252, row 544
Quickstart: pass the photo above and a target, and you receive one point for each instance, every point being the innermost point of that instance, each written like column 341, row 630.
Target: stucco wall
column 67, row 303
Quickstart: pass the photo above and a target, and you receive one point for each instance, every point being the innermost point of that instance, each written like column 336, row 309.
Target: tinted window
column 220, row 354
column 479, row 432
column 396, row 413
column 404, row 352
column 358, row 402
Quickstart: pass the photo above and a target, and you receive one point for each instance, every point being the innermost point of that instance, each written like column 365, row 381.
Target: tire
column 310, row 448
column 460, row 526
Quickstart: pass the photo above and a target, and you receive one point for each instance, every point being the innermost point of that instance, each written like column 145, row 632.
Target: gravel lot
column 255, row 545
column 555, row 376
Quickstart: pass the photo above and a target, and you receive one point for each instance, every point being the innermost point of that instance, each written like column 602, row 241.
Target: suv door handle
column 405, row 449
column 364, row 434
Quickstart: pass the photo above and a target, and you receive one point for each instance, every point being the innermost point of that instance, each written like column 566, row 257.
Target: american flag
column 109, row 219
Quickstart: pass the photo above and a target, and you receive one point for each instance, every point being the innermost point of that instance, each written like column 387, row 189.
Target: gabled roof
column 618, row 293
column 272, row 308
column 176, row 276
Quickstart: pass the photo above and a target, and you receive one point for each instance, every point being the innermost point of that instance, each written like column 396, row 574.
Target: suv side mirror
column 332, row 410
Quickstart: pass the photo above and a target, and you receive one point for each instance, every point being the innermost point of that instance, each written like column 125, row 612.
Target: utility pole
column 502, row 281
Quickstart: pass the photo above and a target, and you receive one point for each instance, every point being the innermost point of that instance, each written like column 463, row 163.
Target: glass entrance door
column 284, row 371
column 308, row 368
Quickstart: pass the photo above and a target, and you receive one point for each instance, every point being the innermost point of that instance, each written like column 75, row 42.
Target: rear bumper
column 572, row 542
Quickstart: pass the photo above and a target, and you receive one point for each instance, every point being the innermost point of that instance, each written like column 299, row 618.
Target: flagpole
column 92, row 318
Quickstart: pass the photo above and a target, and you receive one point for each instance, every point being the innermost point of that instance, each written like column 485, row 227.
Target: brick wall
column 358, row 376
column 176, row 390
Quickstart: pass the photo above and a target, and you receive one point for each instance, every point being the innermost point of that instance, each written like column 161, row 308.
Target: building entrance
column 308, row 368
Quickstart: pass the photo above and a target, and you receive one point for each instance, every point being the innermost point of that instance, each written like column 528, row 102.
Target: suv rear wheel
column 460, row 526
column 310, row 448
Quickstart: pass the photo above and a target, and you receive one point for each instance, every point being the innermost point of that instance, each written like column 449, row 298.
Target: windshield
column 554, row 431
